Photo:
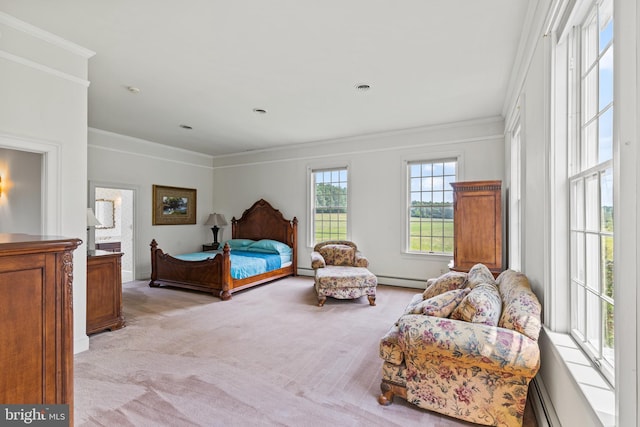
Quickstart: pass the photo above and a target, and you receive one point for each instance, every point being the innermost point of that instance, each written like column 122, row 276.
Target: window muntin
column 430, row 206
column 330, row 196
column 591, row 191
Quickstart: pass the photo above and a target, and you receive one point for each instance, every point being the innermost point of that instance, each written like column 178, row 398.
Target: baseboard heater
column 542, row 407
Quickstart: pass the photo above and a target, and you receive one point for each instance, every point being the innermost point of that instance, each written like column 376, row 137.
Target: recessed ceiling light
column 259, row 111
column 186, row 127
column 133, row 89
column 363, row 87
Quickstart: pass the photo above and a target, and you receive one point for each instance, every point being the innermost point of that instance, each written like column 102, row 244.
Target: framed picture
column 173, row 205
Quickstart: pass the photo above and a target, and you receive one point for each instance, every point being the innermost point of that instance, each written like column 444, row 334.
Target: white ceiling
column 209, row 63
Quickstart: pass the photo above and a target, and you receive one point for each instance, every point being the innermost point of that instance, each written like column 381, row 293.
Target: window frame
column 515, row 242
column 440, row 157
column 581, row 169
column 311, row 171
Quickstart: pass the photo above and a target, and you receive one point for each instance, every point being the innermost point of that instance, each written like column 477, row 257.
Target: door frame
column 118, row 186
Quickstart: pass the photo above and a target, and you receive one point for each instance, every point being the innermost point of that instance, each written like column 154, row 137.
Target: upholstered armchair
column 341, row 272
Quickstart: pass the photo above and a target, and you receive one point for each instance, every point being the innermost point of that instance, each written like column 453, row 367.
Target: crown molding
column 141, row 152
column 45, row 36
column 367, row 136
column 532, row 32
column 44, row 68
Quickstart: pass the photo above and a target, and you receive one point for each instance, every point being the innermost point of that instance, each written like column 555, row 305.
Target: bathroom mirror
column 105, row 213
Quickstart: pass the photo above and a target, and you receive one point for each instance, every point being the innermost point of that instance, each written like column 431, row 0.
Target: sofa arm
column 360, row 260
column 317, row 261
column 426, row 338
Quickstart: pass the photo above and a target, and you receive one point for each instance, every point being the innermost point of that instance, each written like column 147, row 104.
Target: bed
column 212, row 271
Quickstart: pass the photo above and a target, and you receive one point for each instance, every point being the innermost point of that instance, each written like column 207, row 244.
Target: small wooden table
column 104, row 291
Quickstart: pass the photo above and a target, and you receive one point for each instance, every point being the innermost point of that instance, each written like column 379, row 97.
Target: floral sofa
column 467, row 347
column 341, row 272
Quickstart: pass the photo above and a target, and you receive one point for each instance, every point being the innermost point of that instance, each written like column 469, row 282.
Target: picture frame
column 174, row 205
column 105, row 213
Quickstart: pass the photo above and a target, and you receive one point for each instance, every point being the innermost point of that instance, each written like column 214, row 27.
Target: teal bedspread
column 243, row 264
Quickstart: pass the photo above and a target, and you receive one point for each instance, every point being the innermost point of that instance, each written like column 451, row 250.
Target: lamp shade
column 216, row 219
column 92, row 221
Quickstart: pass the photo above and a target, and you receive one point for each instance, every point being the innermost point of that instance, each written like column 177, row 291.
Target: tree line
column 330, row 198
column 435, row 210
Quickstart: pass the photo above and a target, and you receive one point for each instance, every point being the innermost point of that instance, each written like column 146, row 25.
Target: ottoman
column 345, row 282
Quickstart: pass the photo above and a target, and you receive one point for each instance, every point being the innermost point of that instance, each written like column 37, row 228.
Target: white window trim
column 603, row 400
column 311, row 193
column 516, row 198
column 431, row 156
column 576, row 168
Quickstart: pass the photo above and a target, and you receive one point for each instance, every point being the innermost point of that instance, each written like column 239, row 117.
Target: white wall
column 544, row 231
column 119, row 160
column 43, row 109
column 377, row 179
column 627, row 254
column 20, row 202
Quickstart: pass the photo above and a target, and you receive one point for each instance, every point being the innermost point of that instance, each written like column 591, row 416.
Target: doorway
column 114, row 206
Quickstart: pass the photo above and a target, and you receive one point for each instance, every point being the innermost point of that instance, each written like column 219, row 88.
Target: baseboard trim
column 81, row 344
column 541, row 405
column 127, row 276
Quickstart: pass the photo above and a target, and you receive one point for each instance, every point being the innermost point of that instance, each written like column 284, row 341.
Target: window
column 329, row 210
column 430, row 206
column 591, row 188
column 515, row 201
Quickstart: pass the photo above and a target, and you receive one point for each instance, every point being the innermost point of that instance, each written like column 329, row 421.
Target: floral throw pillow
column 521, row 306
column 482, row 305
column 417, row 299
column 478, row 274
column 441, row 305
column 447, row 282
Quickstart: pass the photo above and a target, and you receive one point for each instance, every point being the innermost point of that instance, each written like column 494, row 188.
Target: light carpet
column 268, row 357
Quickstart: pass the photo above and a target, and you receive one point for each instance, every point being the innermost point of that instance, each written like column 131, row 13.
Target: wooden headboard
column 262, row 221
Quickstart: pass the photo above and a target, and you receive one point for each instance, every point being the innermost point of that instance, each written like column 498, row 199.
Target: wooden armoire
column 36, row 314
column 477, row 225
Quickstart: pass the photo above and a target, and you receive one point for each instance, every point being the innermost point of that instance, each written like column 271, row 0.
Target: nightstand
column 104, row 291
column 210, row 247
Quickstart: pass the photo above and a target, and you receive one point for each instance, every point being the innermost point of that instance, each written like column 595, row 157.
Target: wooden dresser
column 36, row 314
column 477, row 225
column 109, row 246
column 104, row 291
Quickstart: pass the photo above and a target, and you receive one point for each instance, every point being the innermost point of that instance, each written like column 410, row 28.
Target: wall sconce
column 217, row 220
column 0, row 186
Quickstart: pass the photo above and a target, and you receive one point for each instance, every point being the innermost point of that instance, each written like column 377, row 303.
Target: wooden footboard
column 210, row 275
